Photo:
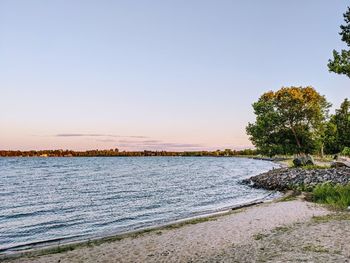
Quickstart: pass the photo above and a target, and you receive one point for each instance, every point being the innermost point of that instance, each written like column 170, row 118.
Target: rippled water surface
column 45, row 199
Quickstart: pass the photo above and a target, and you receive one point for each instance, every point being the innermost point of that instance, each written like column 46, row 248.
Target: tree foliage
column 337, row 134
column 288, row 121
column 341, row 60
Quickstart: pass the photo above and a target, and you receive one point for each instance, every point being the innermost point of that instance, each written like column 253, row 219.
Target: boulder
column 303, row 160
column 297, row 162
column 341, row 162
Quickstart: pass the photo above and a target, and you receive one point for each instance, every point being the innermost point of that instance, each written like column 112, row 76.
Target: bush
column 337, row 196
column 346, row 151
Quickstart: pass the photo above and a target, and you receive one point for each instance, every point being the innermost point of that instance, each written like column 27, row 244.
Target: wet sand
column 233, row 237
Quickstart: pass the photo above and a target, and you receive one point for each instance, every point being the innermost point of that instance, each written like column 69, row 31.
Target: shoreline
column 290, row 178
column 211, row 230
column 79, row 239
column 255, row 157
column 65, row 242
column 48, row 248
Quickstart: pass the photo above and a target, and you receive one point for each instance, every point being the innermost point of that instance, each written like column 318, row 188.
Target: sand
column 321, row 241
column 235, row 237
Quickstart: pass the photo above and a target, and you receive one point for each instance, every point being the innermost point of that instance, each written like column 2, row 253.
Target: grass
column 287, row 162
column 315, row 248
column 335, row 196
column 325, row 158
column 302, row 188
column 313, row 167
column 290, row 196
column 259, row 236
column 331, row 217
column 281, row 229
column 191, row 222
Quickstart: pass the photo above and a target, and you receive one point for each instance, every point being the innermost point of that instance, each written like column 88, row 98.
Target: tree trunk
column 296, row 138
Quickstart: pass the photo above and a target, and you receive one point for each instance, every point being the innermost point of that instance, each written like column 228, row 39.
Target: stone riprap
column 288, row 178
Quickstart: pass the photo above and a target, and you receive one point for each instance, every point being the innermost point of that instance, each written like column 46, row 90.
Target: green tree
column 342, row 120
column 331, row 139
column 290, row 120
column 338, row 129
column 341, row 60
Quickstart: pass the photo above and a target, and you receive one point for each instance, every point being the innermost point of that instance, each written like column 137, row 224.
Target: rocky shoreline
column 288, row 178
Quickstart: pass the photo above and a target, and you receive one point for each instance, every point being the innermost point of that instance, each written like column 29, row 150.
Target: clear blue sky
column 174, row 75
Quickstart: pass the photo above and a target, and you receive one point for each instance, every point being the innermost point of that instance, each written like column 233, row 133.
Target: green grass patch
column 315, row 248
column 331, row 217
column 335, row 196
column 259, row 236
column 190, row 222
column 313, row 167
column 288, row 162
column 302, row 188
column 325, row 158
column 281, row 229
column 290, row 196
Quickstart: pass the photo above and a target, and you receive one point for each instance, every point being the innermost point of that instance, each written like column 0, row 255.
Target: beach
column 275, row 231
column 94, row 197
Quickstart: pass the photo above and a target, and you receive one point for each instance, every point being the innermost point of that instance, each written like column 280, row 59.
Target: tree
column 338, row 129
column 342, row 120
column 341, row 60
column 288, row 121
column 330, row 143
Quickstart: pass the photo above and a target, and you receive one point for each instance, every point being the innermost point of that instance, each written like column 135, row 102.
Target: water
column 44, row 199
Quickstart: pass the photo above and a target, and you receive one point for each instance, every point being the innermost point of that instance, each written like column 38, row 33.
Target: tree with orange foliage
column 289, row 121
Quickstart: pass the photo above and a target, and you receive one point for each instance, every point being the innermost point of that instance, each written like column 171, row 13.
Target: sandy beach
column 289, row 231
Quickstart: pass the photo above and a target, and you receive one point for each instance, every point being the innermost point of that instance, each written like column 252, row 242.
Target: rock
column 309, row 160
column 303, row 160
column 341, row 162
column 343, row 159
column 336, row 164
column 297, row 162
column 289, row 178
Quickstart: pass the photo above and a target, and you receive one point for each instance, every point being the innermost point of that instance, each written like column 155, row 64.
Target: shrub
column 337, row 196
column 346, row 151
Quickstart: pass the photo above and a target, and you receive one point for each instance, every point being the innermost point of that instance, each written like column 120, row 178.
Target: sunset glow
column 159, row 75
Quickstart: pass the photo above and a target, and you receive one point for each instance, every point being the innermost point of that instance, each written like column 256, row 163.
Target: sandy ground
column 323, row 241
column 270, row 232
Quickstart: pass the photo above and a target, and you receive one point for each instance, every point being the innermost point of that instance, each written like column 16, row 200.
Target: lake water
column 43, row 199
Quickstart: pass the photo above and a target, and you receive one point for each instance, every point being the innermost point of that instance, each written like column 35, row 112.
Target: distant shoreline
column 117, row 153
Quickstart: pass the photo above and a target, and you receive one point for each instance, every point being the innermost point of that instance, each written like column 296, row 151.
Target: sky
column 158, row 74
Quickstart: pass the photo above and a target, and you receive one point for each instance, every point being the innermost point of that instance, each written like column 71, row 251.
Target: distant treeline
column 117, row 153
